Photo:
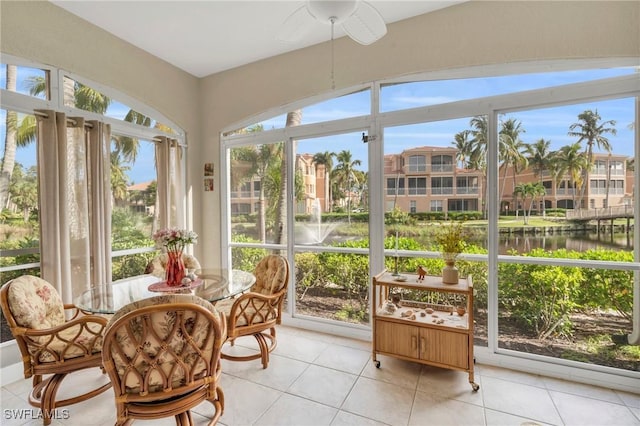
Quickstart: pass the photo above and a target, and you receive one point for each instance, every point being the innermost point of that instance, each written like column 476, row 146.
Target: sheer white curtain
column 75, row 202
column 170, row 192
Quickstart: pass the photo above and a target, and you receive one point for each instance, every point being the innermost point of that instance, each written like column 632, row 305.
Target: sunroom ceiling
column 206, row 37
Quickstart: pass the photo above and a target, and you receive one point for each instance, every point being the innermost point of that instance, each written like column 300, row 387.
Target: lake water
column 576, row 241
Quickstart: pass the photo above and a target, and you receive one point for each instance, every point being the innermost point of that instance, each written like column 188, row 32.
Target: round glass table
column 108, row 299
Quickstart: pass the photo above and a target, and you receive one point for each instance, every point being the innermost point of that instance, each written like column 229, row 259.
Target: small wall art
column 208, row 169
column 208, row 184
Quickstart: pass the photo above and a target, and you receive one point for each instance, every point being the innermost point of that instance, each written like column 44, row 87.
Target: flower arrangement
column 451, row 239
column 174, row 239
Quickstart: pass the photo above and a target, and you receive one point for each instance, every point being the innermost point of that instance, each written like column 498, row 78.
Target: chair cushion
column 158, row 264
column 164, row 353
column 91, row 340
column 271, row 275
column 35, row 303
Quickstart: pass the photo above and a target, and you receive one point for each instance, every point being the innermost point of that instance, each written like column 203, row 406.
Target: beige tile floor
column 318, row 379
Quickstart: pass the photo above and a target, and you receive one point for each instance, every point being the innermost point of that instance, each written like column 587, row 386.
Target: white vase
column 450, row 272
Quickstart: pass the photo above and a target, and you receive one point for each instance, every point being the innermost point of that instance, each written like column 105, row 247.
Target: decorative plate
column 162, row 287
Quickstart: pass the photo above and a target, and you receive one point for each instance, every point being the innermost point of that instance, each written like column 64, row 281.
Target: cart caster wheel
column 377, row 364
column 475, row 387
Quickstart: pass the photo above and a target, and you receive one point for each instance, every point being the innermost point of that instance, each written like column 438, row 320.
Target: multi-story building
column 428, row 179
column 608, row 184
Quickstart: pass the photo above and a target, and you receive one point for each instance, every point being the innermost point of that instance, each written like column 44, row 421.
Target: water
column 314, row 231
column 576, row 241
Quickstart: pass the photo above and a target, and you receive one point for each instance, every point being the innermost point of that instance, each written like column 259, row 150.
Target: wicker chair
column 50, row 344
column 257, row 312
column 157, row 265
column 163, row 357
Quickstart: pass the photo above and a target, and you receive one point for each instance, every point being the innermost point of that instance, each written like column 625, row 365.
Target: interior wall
column 470, row 34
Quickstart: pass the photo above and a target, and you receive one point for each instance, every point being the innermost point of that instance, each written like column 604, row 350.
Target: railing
column 604, row 213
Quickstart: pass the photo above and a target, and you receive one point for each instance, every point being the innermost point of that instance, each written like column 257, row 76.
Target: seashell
column 429, row 310
column 423, row 314
column 192, row 276
column 186, row 281
column 406, row 313
column 412, row 317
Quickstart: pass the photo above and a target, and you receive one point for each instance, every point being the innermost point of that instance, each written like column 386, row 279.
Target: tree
column 344, row 175
column 294, row 118
column 463, row 145
column 478, row 158
column 260, row 158
column 510, row 151
column 539, row 158
column 590, row 130
column 119, row 179
column 572, row 162
column 9, row 158
column 24, row 190
column 325, row 159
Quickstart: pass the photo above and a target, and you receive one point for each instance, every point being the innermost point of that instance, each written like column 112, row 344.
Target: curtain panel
column 170, row 197
column 74, row 202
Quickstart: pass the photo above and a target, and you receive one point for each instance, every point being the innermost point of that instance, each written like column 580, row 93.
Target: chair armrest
column 257, row 308
column 82, row 322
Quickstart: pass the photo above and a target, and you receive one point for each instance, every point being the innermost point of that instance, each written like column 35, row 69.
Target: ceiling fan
column 359, row 19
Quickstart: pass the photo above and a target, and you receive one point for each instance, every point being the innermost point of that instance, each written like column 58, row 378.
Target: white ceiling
column 206, row 37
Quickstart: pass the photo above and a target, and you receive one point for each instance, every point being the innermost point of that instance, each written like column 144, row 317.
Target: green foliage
column 540, row 297
column 398, row 217
column 246, row 258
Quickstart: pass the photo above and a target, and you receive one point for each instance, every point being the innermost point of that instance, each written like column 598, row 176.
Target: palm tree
column 590, row 130
column 539, row 158
column 345, row 175
column 510, row 149
column 9, row 158
column 119, row 179
column 259, row 158
column 325, row 159
column 463, row 145
column 294, row 118
column 572, row 162
column 478, row 157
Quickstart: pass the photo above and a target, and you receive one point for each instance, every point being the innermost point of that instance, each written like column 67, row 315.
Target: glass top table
column 107, row 299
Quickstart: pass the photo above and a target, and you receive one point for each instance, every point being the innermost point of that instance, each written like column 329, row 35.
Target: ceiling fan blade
column 296, row 26
column 366, row 25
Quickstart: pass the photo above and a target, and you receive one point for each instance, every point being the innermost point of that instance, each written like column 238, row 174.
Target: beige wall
column 469, row 34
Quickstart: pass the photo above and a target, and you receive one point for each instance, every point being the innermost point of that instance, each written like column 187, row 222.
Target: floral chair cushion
column 35, row 304
column 161, row 357
column 271, row 275
column 158, row 264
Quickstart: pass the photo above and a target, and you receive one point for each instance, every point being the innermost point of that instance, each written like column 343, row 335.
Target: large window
column 488, row 164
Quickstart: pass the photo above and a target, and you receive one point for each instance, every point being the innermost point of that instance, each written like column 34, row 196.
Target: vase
column 450, row 272
column 174, row 271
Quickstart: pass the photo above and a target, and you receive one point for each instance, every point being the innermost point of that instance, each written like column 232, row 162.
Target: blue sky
column 551, row 124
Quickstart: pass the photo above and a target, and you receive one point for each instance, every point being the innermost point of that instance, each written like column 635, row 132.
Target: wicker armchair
column 163, row 357
column 50, row 344
column 158, row 264
column 257, row 312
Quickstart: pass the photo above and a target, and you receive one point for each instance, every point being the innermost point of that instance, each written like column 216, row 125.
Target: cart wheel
column 377, row 364
column 475, row 387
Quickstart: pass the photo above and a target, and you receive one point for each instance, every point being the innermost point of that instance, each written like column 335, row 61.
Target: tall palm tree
column 259, row 158
column 478, row 157
column 539, row 158
column 511, row 149
column 344, row 173
column 9, row 157
column 294, row 118
column 463, row 145
column 572, row 162
column 590, row 130
column 325, row 159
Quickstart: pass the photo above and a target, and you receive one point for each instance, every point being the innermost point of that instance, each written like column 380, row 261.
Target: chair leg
column 43, row 395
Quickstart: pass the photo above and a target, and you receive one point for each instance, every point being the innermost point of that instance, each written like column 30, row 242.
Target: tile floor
column 317, row 379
